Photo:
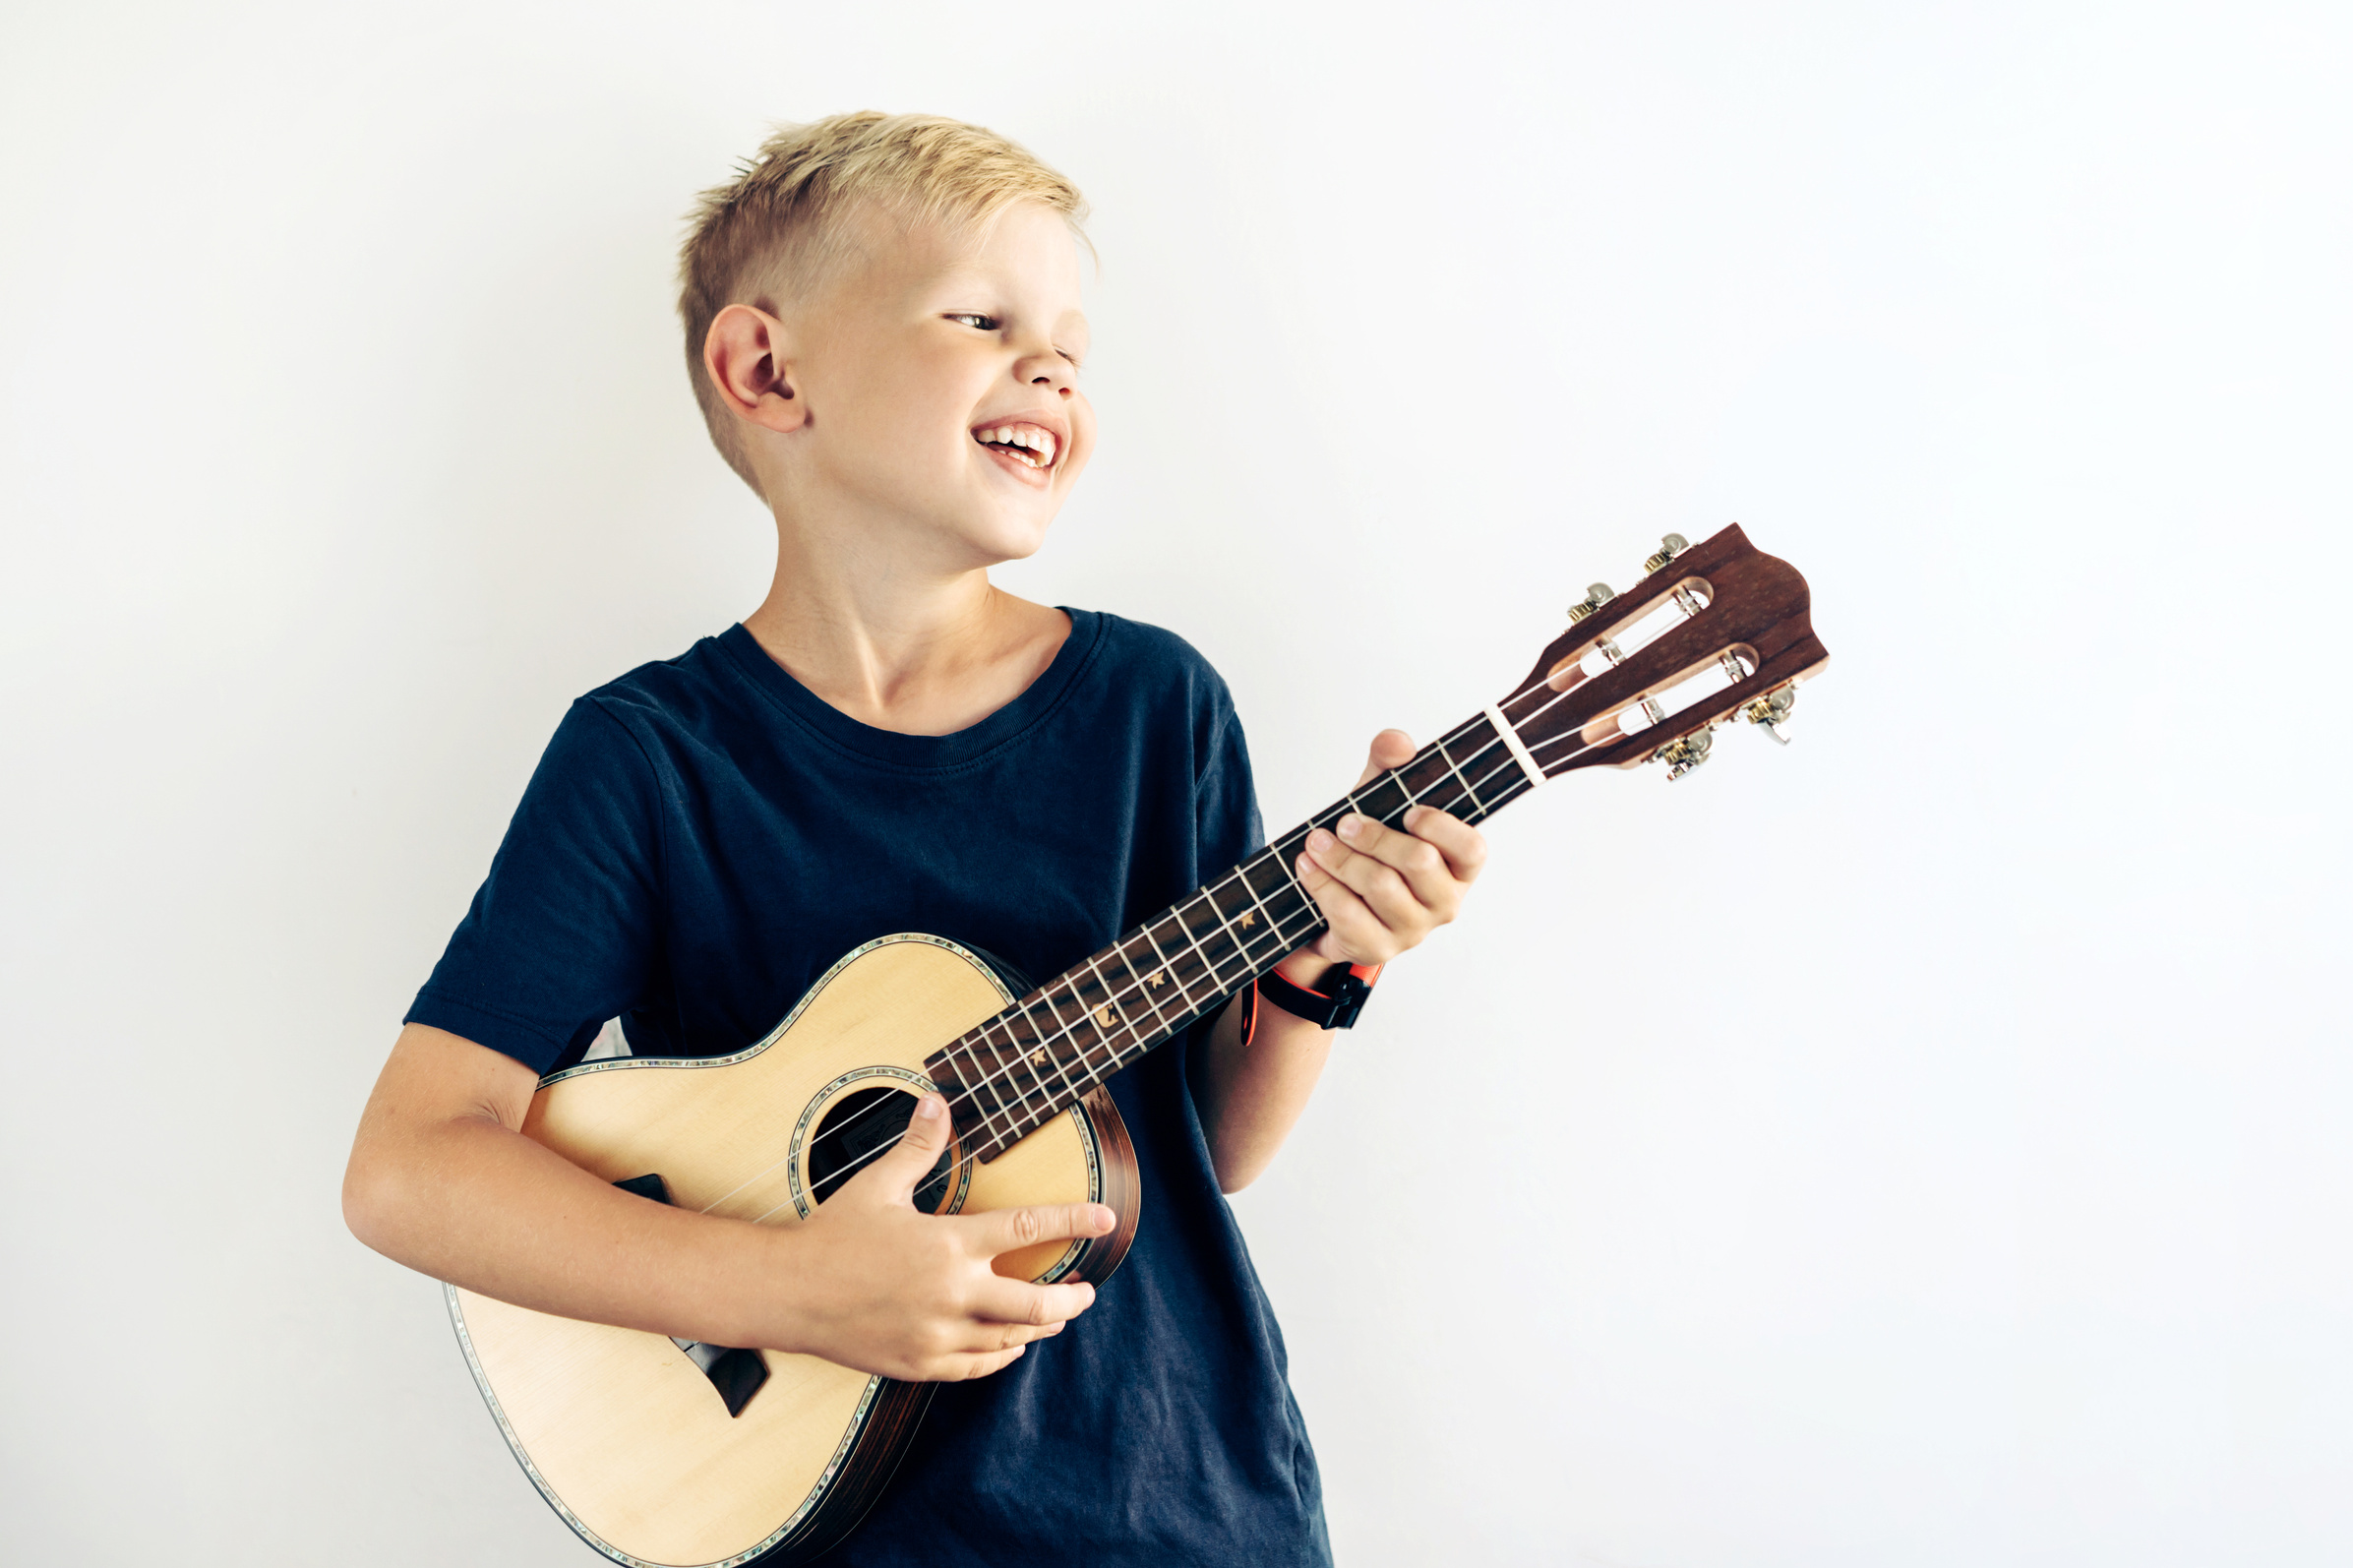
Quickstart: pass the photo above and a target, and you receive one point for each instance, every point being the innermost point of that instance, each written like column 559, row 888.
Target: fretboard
column 1049, row 1049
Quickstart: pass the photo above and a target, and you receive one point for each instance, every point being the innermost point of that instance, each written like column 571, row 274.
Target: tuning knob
column 1681, row 756
column 1771, row 710
column 1672, row 546
column 1596, row 595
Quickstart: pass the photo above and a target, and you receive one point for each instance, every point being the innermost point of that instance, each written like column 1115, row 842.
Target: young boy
column 882, row 325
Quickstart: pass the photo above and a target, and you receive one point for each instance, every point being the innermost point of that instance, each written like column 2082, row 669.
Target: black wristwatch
column 1334, row 1006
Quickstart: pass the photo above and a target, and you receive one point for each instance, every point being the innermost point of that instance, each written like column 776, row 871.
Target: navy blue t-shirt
column 704, row 837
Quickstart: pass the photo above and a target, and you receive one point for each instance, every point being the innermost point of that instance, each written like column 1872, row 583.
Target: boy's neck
column 898, row 646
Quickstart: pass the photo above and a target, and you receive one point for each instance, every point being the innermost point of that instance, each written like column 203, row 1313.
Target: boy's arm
column 1381, row 891
column 443, row 1179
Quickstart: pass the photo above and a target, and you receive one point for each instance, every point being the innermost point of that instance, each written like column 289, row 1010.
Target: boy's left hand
column 1382, row 890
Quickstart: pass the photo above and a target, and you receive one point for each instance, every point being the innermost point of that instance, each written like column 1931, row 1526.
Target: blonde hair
column 778, row 224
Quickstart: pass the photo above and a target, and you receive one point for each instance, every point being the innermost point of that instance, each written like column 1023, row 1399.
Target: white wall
column 1926, row 1146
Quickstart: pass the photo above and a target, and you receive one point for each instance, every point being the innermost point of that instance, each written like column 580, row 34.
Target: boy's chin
column 1004, row 538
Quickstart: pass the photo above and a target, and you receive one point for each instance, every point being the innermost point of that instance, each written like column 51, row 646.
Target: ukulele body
column 626, row 1433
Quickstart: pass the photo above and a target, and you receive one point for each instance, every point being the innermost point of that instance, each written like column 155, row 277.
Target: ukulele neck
column 1050, row 1049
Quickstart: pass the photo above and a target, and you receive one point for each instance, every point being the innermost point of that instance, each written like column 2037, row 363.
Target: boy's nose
column 1045, row 369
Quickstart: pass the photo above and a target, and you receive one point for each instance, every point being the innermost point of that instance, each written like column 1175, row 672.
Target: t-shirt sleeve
column 1224, row 798
column 562, row 935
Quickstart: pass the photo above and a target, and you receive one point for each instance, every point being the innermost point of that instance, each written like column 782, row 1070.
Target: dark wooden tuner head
column 1712, row 631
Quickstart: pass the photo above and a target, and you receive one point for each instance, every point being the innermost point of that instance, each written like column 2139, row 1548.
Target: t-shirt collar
column 1002, row 727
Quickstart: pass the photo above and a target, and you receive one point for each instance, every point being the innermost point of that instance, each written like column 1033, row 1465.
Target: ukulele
column 666, row 1451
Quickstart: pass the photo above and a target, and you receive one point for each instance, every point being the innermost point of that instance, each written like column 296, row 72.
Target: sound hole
column 854, row 1130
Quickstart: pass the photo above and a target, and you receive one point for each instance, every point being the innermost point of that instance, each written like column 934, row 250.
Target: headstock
column 1713, row 630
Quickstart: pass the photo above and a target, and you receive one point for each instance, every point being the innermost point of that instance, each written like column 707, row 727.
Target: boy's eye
column 976, row 321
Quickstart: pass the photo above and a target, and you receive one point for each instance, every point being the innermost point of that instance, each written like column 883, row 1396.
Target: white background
column 1925, row 1145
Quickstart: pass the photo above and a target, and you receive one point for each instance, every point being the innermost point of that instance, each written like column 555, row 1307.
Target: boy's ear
column 746, row 356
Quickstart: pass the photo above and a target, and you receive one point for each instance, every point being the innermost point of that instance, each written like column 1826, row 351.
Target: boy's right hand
column 878, row 1285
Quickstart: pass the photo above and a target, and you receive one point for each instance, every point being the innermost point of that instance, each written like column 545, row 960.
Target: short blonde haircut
column 772, row 230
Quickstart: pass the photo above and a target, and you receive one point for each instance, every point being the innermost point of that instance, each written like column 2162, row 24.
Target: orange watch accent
column 1335, row 1004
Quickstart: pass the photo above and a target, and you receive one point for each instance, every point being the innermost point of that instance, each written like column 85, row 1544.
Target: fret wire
column 983, row 1070
column 1238, row 874
column 1480, row 808
column 1072, row 1037
column 1020, row 1066
column 1185, row 926
column 1143, row 987
column 1489, row 755
column 1477, row 810
column 1486, row 808
column 1111, row 997
column 1242, row 875
column 1447, row 757
column 1055, row 1058
column 1208, row 896
column 1274, row 922
column 1289, row 887
column 1505, row 768
column 1018, row 1062
column 971, row 1090
column 1004, row 1055
column 1169, row 969
column 1045, row 993
column 965, row 1066
column 1003, row 1125
column 1516, row 781
column 1288, row 860
column 1175, row 1012
column 1414, row 793
column 1285, row 942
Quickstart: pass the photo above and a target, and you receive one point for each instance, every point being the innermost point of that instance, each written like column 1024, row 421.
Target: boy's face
column 924, row 348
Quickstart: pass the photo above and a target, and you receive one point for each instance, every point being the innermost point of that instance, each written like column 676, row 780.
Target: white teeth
column 1041, row 441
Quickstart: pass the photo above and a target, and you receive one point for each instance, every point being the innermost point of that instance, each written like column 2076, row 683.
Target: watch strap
column 1338, row 998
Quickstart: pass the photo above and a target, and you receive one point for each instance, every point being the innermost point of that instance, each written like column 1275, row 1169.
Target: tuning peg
column 1670, row 547
column 1596, row 595
column 1681, row 756
column 1771, row 710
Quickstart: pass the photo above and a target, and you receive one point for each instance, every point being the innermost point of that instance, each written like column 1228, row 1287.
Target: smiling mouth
column 1030, row 445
